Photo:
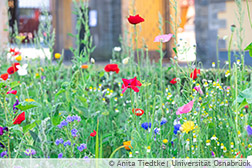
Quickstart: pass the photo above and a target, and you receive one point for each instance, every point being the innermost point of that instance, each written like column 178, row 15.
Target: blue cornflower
column 68, row 142
column 163, row 121
column 156, row 131
column 176, row 128
column 82, row 147
column 146, row 125
column 60, row 155
column 74, row 132
column 4, row 153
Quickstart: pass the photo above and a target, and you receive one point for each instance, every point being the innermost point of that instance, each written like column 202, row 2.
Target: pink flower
column 163, row 38
column 198, row 89
column 12, row 92
column 185, row 108
column 131, row 83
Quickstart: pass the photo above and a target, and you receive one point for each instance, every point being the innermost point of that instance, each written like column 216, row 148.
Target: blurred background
column 200, row 23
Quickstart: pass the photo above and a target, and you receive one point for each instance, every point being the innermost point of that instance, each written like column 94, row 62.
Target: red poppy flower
column 19, row 119
column 10, row 70
column 131, row 83
column 12, row 50
column 173, row 81
column 12, row 92
column 112, row 68
column 138, row 112
column 135, row 19
column 16, row 53
column 4, row 76
column 195, row 73
column 93, row 134
column 13, row 68
column 246, row 107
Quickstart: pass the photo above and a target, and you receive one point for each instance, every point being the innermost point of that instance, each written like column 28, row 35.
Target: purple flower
column 14, row 106
column 4, row 153
column 63, row 123
column 2, row 145
column 60, row 155
column 212, row 153
column 60, row 126
column 70, row 119
column 82, row 147
column 74, row 132
column 1, row 130
column 146, row 125
column 6, row 129
column 59, row 141
column 68, row 142
column 163, row 121
column 77, row 118
column 43, row 77
column 30, row 152
column 33, row 152
column 249, row 130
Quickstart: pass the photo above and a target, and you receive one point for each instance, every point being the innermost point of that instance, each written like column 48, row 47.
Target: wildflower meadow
column 132, row 107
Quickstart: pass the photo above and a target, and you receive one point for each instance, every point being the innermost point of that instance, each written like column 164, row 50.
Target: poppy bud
column 233, row 27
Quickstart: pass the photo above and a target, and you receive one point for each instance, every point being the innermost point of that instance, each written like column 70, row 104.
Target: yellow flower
column 165, row 141
column 188, row 126
column 57, row 55
column 29, row 100
column 37, row 74
column 18, row 58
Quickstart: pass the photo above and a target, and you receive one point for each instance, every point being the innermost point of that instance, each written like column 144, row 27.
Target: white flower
column 92, row 60
column 22, row 70
column 117, row 49
column 125, row 60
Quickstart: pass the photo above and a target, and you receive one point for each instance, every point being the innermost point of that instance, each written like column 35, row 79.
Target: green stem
column 229, row 52
column 249, row 14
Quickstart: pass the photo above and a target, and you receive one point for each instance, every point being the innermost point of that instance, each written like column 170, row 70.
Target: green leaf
column 83, row 101
column 34, row 136
column 27, row 105
column 30, row 126
column 59, row 92
column 56, row 120
column 211, row 125
column 64, row 85
column 249, row 47
column 14, row 84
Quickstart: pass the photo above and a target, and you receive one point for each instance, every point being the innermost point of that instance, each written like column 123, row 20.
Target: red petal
column 19, row 119
column 10, row 70
column 4, row 76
